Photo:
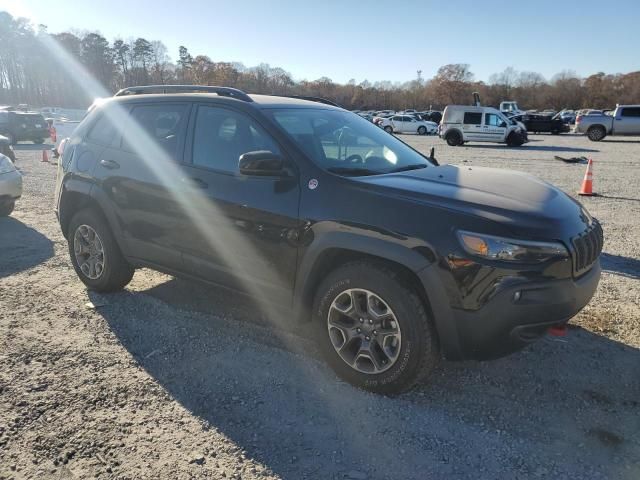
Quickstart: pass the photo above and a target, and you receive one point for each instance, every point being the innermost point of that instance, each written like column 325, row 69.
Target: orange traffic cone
column 587, row 183
column 45, row 157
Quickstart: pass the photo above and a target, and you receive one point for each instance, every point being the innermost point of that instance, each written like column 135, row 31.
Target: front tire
column 95, row 254
column 596, row 133
column 422, row 130
column 374, row 329
column 388, row 129
column 515, row 140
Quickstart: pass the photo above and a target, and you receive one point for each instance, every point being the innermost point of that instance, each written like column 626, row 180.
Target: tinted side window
column 163, row 123
column 472, row 118
column 222, row 135
column 397, row 119
column 103, row 130
column 631, row 112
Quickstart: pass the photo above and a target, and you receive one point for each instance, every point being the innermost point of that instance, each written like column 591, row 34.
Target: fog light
column 516, row 296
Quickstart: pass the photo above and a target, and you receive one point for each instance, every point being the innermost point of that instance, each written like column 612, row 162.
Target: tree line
column 31, row 74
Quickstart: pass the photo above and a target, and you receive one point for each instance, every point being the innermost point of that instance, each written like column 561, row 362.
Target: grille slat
column 586, row 248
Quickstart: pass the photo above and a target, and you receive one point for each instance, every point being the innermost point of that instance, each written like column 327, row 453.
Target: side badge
column 313, row 184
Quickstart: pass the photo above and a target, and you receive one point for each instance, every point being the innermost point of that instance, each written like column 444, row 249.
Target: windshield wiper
column 415, row 166
column 353, row 171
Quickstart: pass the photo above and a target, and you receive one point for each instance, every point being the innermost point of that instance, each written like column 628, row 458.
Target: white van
column 461, row 124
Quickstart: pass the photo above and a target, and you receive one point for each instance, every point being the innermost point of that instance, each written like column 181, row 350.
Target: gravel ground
column 170, row 379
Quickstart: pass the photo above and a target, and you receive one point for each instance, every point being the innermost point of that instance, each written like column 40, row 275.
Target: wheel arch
column 77, row 196
column 597, row 125
column 454, row 131
column 342, row 248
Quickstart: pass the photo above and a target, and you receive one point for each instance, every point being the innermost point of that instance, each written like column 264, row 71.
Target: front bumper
column 10, row 186
column 505, row 325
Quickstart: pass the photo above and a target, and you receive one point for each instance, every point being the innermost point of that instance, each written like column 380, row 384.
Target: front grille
column 586, row 248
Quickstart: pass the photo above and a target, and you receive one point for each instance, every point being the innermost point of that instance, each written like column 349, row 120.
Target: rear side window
column 222, row 135
column 472, row 118
column 631, row 112
column 162, row 123
column 103, row 131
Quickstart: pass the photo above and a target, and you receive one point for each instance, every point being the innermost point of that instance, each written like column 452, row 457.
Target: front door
column 494, row 128
column 243, row 230
column 627, row 122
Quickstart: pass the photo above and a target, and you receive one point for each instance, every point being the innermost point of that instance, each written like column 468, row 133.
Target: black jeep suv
column 19, row 126
column 315, row 211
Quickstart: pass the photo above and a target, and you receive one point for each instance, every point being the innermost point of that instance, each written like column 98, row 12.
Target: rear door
column 472, row 126
column 397, row 123
column 627, row 121
column 494, row 128
column 139, row 173
column 243, row 230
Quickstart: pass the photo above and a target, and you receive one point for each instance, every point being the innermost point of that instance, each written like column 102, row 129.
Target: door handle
column 195, row 182
column 110, row 164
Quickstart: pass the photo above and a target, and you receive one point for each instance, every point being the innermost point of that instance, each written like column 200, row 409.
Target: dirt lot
column 174, row 380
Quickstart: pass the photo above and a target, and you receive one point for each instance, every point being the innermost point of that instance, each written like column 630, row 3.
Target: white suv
column 408, row 124
column 461, row 124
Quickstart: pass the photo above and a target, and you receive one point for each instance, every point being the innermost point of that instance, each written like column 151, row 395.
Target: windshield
column 345, row 143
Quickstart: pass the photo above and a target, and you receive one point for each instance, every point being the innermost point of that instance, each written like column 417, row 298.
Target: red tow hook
column 558, row 330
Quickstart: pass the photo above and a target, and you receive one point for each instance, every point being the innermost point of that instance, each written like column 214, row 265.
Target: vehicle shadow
column 619, row 265
column 32, row 146
column 289, row 412
column 610, row 140
column 21, row 247
column 540, row 148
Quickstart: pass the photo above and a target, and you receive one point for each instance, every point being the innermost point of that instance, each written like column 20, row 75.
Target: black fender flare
column 408, row 253
column 95, row 195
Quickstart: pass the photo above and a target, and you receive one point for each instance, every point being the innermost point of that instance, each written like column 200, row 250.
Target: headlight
column 5, row 165
column 510, row 250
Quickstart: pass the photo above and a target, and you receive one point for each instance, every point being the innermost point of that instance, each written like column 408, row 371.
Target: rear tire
column 7, row 209
column 414, row 347
column 114, row 272
column 454, row 139
column 596, row 133
column 388, row 129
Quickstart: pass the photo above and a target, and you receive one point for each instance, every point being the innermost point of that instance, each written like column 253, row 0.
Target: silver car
column 10, row 186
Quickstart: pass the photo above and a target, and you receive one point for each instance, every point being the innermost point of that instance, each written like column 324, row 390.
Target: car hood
column 520, row 202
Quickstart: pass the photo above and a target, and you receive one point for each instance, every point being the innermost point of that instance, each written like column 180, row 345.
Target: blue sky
column 374, row 40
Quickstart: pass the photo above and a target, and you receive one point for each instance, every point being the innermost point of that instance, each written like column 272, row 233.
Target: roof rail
column 312, row 99
column 148, row 89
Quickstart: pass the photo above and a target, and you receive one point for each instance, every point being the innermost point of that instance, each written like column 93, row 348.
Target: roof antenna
column 432, row 156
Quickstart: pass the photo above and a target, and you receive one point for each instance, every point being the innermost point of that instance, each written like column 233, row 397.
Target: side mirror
column 261, row 163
